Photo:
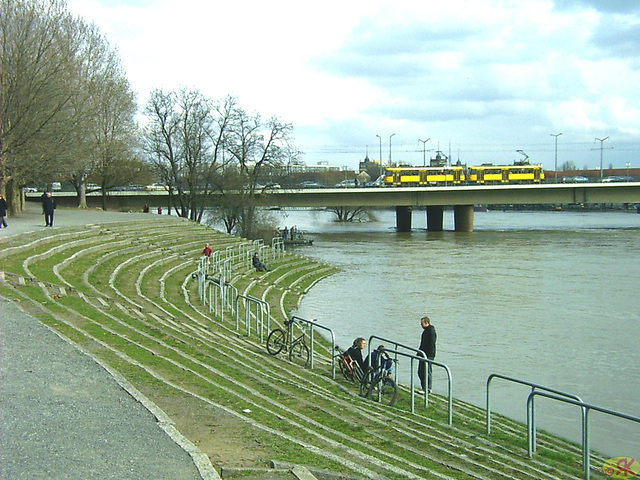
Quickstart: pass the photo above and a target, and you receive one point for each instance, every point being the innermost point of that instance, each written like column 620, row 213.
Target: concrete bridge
column 404, row 199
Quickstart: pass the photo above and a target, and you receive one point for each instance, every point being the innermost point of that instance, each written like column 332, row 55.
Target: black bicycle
column 279, row 340
column 378, row 383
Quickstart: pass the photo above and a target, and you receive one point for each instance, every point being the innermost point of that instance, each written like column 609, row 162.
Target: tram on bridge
column 462, row 175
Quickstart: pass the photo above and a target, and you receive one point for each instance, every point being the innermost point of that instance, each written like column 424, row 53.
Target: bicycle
column 351, row 371
column 298, row 350
column 378, row 383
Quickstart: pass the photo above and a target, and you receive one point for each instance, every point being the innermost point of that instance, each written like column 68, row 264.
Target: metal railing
column 585, row 409
column 420, row 357
column 313, row 324
column 533, row 386
column 216, row 292
column 262, row 308
column 277, row 247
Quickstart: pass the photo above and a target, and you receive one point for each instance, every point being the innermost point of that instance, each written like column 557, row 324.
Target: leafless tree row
column 67, row 110
column 214, row 155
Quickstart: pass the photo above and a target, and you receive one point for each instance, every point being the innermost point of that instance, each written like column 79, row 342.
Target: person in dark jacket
column 3, row 212
column 428, row 346
column 258, row 265
column 355, row 352
column 48, row 207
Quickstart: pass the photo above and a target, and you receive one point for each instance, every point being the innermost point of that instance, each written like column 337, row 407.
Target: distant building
column 302, row 167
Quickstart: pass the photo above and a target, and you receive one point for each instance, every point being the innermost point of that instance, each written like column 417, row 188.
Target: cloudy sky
column 480, row 78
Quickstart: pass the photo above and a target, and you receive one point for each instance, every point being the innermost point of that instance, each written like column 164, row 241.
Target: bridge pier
column 463, row 218
column 435, row 215
column 403, row 219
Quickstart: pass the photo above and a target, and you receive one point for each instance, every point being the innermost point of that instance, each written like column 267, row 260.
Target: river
column 547, row 297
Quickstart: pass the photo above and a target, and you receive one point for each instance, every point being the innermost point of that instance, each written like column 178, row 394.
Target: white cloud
column 487, row 75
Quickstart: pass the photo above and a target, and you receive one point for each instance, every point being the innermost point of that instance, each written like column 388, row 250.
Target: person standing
column 48, row 207
column 3, row 212
column 428, row 346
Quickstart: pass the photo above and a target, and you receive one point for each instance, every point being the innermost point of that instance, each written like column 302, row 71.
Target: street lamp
column 601, row 140
column 424, row 151
column 556, row 157
column 390, row 137
column 380, row 138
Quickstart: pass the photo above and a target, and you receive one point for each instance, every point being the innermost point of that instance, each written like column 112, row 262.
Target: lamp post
column 601, row 140
column 556, row 156
column 424, row 151
column 390, row 137
column 380, row 138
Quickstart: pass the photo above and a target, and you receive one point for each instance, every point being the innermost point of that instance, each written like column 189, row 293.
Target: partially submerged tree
column 350, row 214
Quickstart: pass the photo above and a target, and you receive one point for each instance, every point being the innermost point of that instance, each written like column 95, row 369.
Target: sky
column 476, row 79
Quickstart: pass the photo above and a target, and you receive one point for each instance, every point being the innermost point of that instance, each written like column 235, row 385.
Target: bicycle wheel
column 366, row 380
column 383, row 390
column 299, row 354
column 276, row 341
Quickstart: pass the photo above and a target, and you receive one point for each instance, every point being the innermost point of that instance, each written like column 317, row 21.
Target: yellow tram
column 495, row 174
column 461, row 175
column 424, row 176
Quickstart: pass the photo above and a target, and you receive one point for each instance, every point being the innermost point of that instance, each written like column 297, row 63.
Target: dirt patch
column 226, row 439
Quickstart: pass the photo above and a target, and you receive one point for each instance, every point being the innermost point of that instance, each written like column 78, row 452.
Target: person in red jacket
column 207, row 252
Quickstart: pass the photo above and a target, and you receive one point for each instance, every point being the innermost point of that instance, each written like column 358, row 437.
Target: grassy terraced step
column 124, row 292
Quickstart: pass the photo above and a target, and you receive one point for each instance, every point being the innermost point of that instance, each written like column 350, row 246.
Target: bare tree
column 98, row 73
column 184, row 140
column 113, row 134
column 347, row 214
column 37, row 39
column 257, row 149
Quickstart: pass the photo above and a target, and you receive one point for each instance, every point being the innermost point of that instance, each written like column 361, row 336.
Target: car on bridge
column 346, row 184
column 617, row 178
column 578, row 179
column 310, row 184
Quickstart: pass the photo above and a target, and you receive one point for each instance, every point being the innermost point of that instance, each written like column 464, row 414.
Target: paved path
column 63, row 415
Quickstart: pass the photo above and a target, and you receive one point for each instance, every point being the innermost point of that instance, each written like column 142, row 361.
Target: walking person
column 3, row 212
column 428, row 346
column 207, row 252
column 48, row 207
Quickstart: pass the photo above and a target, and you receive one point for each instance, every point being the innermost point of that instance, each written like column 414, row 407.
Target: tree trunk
column 82, row 196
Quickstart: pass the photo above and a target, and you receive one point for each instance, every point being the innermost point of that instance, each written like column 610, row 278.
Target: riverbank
column 124, row 292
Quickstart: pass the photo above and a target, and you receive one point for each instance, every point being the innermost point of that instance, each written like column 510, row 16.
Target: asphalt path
column 64, row 414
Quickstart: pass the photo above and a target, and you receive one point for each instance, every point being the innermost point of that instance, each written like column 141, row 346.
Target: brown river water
column 546, row 297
